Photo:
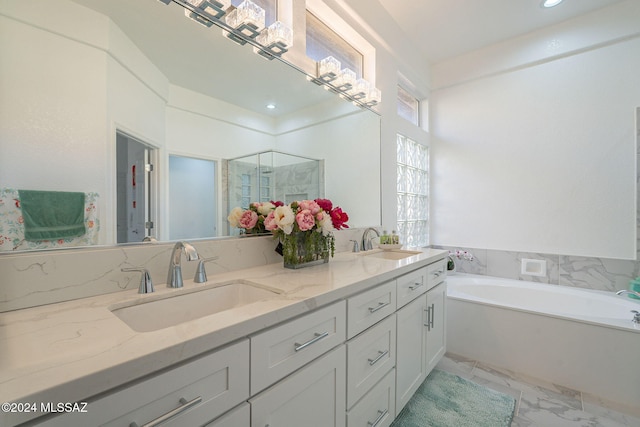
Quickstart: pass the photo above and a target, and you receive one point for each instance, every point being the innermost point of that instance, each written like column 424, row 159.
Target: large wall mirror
column 75, row 74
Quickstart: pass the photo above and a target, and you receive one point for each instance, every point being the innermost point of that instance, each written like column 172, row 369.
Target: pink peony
column 305, row 220
column 309, row 205
column 249, row 219
column 270, row 222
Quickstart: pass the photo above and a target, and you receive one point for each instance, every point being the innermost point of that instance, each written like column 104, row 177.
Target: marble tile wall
column 35, row 278
column 583, row 272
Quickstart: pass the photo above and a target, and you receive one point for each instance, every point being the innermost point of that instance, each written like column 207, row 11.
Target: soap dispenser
column 384, row 239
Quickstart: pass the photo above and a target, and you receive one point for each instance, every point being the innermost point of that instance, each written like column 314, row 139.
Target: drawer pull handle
column 317, row 338
column 415, row 286
column 380, row 417
column 161, row 419
column 381, row 305
column 381, row 354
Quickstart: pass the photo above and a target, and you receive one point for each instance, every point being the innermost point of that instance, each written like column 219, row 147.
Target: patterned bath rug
column 446, row 400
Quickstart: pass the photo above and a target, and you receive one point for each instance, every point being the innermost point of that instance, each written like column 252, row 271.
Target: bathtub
column 576, row 338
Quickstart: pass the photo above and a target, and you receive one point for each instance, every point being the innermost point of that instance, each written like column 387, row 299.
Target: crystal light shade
column 248, row 18
column 209, row 8
column 345, row 80
column 373, row 97
column 360, row 89
column 277, row 34
column 328, row 69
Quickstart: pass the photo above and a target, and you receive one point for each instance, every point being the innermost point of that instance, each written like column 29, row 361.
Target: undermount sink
column 393, row 254
column 185, row 306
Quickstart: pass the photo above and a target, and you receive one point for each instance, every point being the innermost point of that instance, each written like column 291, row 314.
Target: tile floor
column 537, row 404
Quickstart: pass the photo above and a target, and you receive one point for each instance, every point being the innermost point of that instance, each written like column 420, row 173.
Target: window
column 322, row 41
column 408, row 106
column 412, row 192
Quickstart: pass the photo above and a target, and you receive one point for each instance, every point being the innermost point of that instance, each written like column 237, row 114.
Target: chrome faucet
column 174, row 279
column 366, row 242
column 624, row 291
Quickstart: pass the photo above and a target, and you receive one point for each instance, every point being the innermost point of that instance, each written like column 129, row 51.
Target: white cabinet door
column 436, row 327
column 311, row 397
column 411, row 348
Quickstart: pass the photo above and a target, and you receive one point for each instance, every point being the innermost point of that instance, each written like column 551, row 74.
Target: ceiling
column 201, row 59
column 189, row 55
column 444, row 29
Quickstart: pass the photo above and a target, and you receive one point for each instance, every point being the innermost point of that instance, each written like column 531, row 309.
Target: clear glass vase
column 306, row 248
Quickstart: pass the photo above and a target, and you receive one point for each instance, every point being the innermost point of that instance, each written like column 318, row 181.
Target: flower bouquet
column 304, row 228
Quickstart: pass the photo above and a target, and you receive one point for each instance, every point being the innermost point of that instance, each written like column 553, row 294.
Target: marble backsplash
column 35, row 278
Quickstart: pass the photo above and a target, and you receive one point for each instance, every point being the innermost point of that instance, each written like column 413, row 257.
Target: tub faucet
column 366, row 241
column 624, row 291
column 174, row 279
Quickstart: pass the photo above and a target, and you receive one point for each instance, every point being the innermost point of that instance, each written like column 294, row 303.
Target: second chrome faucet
column 174, row 279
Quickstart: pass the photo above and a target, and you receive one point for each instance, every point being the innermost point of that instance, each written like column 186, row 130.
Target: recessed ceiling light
column 271, row 106
column 551, row 3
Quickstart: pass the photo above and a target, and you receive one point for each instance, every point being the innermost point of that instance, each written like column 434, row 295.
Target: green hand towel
column 52, row 215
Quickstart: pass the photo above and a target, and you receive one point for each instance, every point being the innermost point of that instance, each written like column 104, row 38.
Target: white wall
column 538, row 153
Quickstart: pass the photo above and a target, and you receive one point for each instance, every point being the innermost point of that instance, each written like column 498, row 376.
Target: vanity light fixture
column 248, row 19
column 328, row 69
column 207, row 10
column 550, row 3
column 244, row 24
column 277, row 38
column 343, row 82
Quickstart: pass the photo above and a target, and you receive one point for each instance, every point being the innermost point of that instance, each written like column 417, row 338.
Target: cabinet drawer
column 436, row 273
column 206, row 388
column 377, row 408
column 369, row 357
column 369, row 307
column 314, row 396
column 279, row 351
column 411, row 285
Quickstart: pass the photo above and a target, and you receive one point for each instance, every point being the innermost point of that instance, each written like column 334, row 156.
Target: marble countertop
column 69, row 351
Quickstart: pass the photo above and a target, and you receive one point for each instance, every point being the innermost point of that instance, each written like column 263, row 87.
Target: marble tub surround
column 583, row 272
column 31, row 279
column 72, row 350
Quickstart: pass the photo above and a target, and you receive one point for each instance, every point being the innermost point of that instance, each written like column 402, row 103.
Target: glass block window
column 408, row 106
column 245, row 199
column 322, row 41
column 265, row 189
column 413, row 192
